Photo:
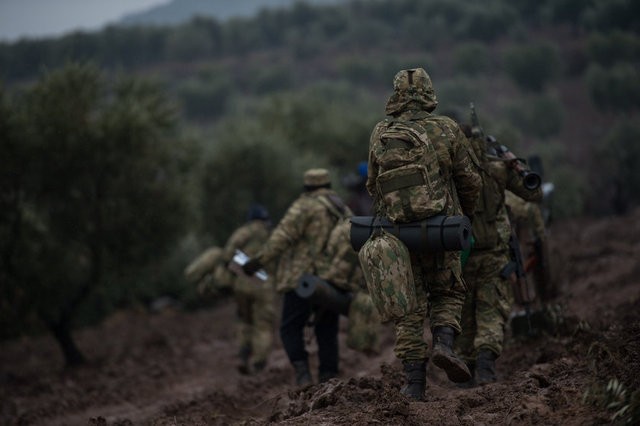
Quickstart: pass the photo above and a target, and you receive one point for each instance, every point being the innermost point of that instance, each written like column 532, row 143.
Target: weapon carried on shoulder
column 324, row 294
column 524, row 294
column 532, row 180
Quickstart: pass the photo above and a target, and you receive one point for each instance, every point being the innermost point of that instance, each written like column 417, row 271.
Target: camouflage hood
column 412, row 90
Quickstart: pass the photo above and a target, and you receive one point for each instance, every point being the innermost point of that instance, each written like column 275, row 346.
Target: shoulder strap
column 335, row 206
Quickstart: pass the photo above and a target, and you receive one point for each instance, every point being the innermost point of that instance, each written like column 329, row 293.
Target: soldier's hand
column 251, row 267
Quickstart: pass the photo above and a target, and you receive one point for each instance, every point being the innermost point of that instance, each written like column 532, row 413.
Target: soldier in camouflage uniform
column 438, row 279
column 301, row 238
column 345, row 273
column 528, row 221
column 254, row 301
column 488, row 303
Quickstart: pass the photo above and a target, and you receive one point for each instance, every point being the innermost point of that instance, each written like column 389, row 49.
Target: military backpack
column 409, row 184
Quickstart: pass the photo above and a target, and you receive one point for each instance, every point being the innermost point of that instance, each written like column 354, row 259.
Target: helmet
column 412, row 88
column 414, row 79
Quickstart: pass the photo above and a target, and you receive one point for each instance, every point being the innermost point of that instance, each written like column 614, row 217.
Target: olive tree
column 93, row 195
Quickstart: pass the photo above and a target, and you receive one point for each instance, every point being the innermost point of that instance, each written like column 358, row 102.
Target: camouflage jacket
column 299, row 241
column 343, row 269
column 458, row 164
column 249, row 238
column 491, row 226
column 526, row 214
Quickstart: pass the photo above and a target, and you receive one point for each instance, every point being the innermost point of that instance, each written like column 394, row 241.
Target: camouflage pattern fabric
column 409, row 184
column 529, row 224
column 203, row 265
column 255, row 303
column 254, row 328
column 364, row 324
column 437, row 276
column 487, row 307
column 488, row 304
column 344, row 270
column 410, row 343
column 299, row 240
column 526, row 215
column 386, row 264
column 440, row 293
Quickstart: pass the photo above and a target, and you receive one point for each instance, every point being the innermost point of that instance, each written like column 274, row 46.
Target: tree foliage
column 620, row 154
column 534, row 65
column 616, row 88
column 94, row 195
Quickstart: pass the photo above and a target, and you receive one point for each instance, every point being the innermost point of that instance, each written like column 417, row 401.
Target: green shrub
column 459, row 91
column 533, row 66
column 616, row 88
column 538, row 116
column 471, row 58
column 617, row 46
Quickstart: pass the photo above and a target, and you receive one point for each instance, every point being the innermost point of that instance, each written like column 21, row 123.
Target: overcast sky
column 37, row 18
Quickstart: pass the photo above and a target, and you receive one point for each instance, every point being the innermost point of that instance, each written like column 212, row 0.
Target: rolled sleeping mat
column 435, row 234
column 321, row 293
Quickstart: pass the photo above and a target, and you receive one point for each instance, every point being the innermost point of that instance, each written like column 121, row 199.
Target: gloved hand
column 252, row 266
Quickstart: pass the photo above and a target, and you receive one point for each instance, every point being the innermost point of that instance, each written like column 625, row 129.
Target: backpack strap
column 334, row 205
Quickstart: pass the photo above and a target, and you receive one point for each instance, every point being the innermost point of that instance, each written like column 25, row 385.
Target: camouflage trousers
column 255, row 321
column 487, row 306
column 440, row 292
column 364, row 324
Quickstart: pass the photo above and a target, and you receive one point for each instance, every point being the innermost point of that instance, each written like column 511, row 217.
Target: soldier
column 529, row 224
column 439, row 287
column 301, row 237
column 489, row 300
column 254, row 301
column 201, row 271
column 345, row 273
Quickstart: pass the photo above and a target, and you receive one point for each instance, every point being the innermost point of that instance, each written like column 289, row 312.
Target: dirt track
column 176, row 368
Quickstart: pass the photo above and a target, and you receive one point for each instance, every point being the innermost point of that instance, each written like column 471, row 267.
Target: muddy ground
column 179, row 368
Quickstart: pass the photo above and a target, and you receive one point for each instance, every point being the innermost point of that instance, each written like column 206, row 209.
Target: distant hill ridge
column 178, row 11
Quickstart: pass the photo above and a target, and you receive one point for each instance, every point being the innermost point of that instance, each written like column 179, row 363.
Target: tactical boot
column 471, row 383
column 303, row 376
column 486, row 367
column 445, row 358
column 416, row 374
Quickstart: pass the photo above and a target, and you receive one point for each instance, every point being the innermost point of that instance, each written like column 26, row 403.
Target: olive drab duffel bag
column 386, row 265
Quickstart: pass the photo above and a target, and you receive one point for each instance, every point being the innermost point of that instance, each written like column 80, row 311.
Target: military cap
column 316, row 177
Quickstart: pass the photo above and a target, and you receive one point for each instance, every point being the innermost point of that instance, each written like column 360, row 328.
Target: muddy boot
column 486, row 367
column 416, row 374
column 471, row 383
column 244, row 354
column 445, row 358
column 303, row 376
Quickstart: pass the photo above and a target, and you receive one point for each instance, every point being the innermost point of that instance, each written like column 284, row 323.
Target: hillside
column 173, row 367
column 179, row 11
